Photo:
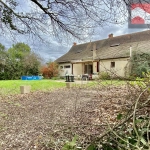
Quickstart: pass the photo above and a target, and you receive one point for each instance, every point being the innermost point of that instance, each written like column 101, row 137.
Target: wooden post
column 25, row 89
column 68, row 85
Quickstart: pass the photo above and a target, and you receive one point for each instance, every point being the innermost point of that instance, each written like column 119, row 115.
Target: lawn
column 13, row 86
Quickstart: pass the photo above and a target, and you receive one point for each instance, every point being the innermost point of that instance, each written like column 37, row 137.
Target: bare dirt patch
column 45, row 120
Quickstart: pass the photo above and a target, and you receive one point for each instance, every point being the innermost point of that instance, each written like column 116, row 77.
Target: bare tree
column 59, row 17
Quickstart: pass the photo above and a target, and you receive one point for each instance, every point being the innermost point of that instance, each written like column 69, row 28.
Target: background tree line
column 18, row 60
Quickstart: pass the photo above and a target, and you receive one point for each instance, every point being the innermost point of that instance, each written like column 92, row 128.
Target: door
column 88, row 69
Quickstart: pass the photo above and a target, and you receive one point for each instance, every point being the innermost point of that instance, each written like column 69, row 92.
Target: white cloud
column 116, row 30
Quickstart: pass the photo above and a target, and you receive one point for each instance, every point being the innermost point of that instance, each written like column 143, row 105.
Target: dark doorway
column 98, row 66
column 88, row 69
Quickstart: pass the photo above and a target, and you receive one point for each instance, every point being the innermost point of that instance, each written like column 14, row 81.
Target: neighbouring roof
column 114, row 47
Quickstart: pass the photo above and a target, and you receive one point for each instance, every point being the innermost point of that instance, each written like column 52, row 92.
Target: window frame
column 67, row 66
column 112, row 64
column 61, row 67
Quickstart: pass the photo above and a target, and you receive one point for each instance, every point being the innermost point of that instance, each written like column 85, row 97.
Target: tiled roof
column 115, row 47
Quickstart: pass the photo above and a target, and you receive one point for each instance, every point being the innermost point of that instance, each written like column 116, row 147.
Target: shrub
column 104, row 75
column 140, row 64
column 50, row 70
column 133, row 130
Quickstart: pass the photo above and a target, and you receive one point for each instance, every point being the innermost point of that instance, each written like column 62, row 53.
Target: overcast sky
column 54, row 49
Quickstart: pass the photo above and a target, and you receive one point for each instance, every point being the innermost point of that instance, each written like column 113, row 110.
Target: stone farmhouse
column 111, row 55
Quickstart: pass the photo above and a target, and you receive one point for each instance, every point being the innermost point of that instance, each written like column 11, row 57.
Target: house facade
column 65, row 68
column 108, row 55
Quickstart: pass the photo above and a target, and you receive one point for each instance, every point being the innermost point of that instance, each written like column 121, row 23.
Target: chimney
column 74, row 44
column 110, row 35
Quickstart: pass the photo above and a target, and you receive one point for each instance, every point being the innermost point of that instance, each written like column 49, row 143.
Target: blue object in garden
column 31, row 77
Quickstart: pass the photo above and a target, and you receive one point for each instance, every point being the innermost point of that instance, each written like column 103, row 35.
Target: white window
column 67, row 66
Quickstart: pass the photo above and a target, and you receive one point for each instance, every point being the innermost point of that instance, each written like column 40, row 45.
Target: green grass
column 13, row 86
column 107, row 82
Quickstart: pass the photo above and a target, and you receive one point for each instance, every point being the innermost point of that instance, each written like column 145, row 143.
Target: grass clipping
column 46, row 120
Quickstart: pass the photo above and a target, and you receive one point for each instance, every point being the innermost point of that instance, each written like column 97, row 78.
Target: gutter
column 112, row 58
